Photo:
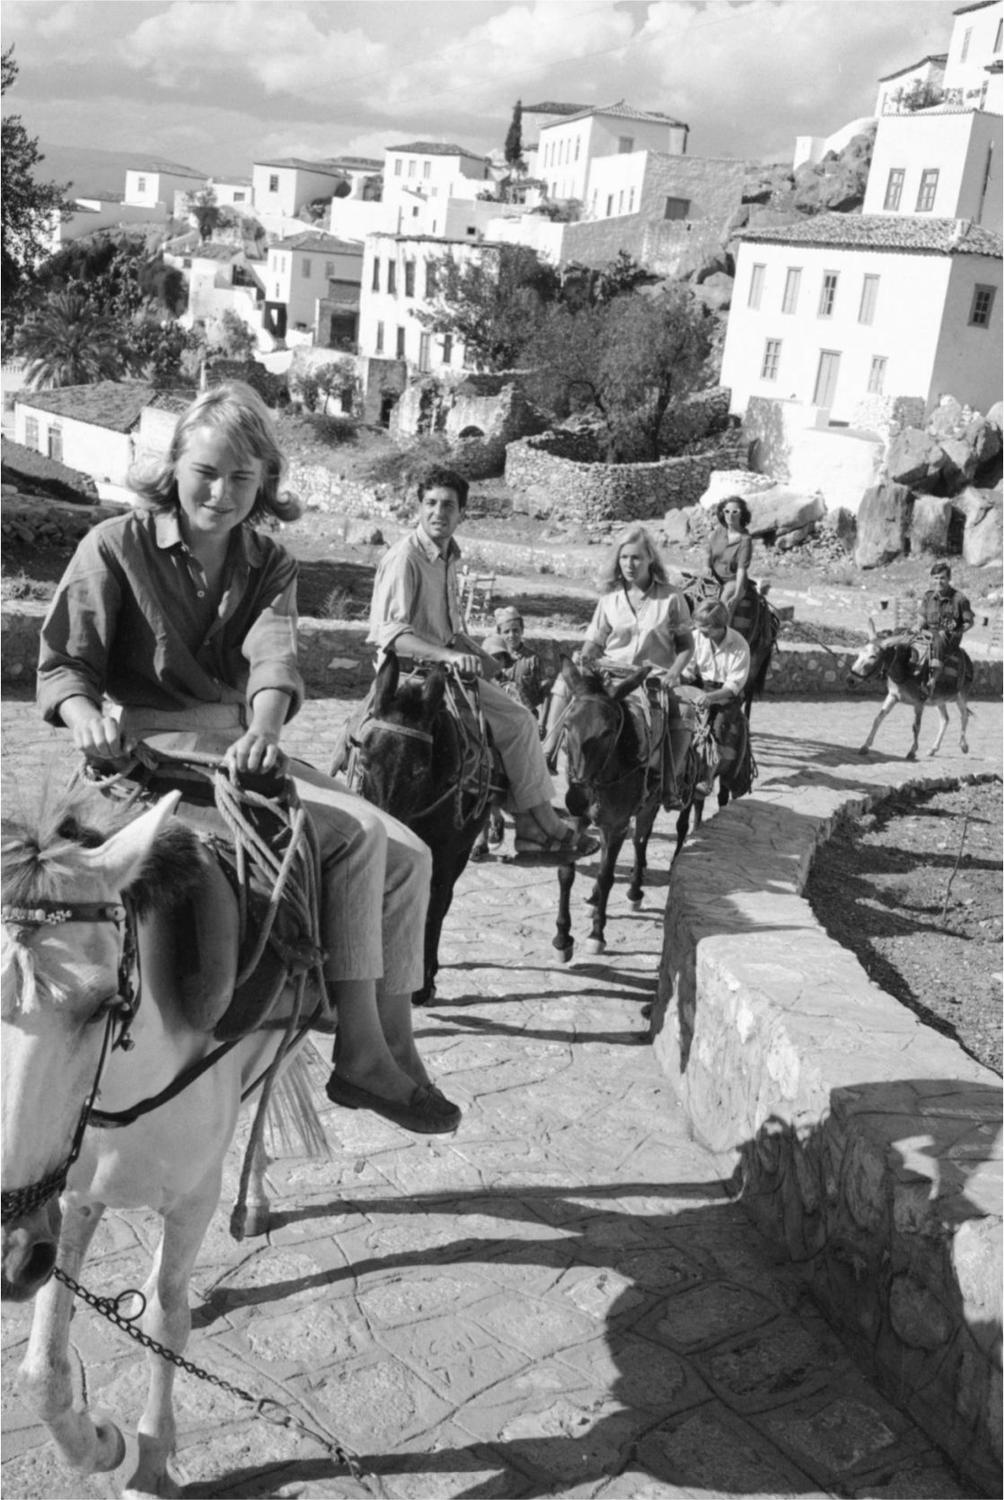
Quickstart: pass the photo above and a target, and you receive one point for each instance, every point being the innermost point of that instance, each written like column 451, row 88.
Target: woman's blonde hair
column 611, row 577
column 711, row 615
column 246, row 422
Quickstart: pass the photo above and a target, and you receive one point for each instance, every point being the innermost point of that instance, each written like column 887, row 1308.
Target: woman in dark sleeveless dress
column 730, row 553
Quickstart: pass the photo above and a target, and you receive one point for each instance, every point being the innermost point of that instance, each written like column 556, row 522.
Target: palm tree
column 68, row 341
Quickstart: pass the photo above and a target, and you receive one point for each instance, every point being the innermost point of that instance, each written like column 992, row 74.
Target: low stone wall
column 865, row 1145
column 546, row 480
column 337, row 662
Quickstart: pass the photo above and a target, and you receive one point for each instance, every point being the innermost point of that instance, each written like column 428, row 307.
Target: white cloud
column 277, row 45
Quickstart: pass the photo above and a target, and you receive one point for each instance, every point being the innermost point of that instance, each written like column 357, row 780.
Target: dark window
column 757, row 275
column 625, row 143
column 273, row 182
column 31, row 432
column 828, row 294
column 56, row 444
column 894, row 188
column 677, row 208
column 379, row 338
column 400, row 343
column 376, row 274
column 928, row 189
column 392, row 277
column 409, row 278
column 982, row 306
column 430, row 278
column 447, row 348
column 771, row 359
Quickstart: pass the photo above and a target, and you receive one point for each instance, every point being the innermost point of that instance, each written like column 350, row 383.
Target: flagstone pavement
column 559, row 1299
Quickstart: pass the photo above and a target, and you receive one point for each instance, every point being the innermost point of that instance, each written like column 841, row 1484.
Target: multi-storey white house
column 304, row 270
column 896, row 89
column 233, row 192
column 569, row 144
column 154, row 182
column 844, row 306
column 976, row 47
column 944, row 161
column 399, row 280
column 419, row 179
column 844, row 313
column 282, row 186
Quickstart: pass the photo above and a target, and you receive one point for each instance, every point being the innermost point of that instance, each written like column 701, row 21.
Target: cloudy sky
column 217, row 83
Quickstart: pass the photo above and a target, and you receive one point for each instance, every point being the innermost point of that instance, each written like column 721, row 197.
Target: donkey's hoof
column 912, row 755
column 256, row 1223
column 595, row 945
column 565, row 955
column 863, row 750
column 593, row 897
column 635, row 903
column 110, row 1447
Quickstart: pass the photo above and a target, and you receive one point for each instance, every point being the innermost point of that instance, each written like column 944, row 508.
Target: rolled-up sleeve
column 77, row 631
column 737, row 666
column 598, row 632
column 270, row 644
column 396, row 592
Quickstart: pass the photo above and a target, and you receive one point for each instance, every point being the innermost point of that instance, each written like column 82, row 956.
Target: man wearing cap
column 945, row 616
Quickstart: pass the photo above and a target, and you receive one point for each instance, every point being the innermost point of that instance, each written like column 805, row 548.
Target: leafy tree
column 514, row 140
column 27, row 207
column 233, row 337
column 206, row 211
column 118, row 273
column 629, row 358
column 162, row 352
column 493, row 303
column 67, row 341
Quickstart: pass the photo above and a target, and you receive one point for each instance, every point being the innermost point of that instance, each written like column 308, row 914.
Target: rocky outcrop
column 983, row 537
column 883, row 525
column 914, row 458
column 930, row 524
column 777, row 513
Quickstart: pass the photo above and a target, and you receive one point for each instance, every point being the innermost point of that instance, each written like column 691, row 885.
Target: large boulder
column 983, row 538
column 984, row 438
column 778, row 511
column 960, row 461
column 995, row 416
column 929, row 525
column 715, row 292
column 915, row 459
column 883, row 525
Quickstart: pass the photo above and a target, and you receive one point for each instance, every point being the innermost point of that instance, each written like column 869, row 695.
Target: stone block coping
column 337, row 662
column 864, row 1144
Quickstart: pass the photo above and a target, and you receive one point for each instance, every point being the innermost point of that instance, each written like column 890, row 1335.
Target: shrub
column 403, row 467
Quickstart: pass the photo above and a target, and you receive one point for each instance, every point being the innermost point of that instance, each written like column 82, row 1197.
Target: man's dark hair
column 441, row 478
column 941, row 570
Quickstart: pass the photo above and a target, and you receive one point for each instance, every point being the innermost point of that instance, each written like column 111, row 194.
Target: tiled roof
column 933, row 57
column 174, row 402
column 978, row 5
column 297, row 163
column 550, row 108
column 215, row 251
column 324, row 244
column 621, row 111
column 356, row 163
column 161, row 164
column 883, row 232
column 436, row 148
column 115, row 404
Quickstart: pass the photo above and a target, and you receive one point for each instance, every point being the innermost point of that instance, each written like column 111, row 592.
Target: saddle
column 228, row 950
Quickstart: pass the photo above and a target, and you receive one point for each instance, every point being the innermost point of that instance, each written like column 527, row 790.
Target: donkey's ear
column 433, row 688
column 574, row 678
column 119, row 858
column 630, row 683
column 386, row 683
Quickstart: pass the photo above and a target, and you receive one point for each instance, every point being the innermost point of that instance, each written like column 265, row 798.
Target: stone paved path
column 560, row 1299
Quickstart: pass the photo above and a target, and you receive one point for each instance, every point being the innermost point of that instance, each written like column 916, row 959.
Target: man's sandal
column 555, row 851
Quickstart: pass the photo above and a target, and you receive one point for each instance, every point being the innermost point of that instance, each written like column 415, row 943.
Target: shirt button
column 200, row 593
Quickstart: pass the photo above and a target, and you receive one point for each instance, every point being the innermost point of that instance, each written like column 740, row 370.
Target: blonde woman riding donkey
column 639, row 620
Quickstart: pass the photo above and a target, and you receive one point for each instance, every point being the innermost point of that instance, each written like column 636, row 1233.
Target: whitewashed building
column 896, row 89
column 398, row 282
column 154, row 183
column 570, row 144
column 843, row 307
column 92, row 428
column 974, row 54
column 420, row 178
column 944, row 161
column 302, row 271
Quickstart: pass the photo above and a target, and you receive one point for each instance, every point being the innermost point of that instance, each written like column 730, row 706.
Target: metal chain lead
column 266, row 1406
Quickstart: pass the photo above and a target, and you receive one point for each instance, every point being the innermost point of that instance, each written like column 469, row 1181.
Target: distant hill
column 95, row 173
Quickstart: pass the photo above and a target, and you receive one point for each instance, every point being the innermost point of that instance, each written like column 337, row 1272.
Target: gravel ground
column 914, row 889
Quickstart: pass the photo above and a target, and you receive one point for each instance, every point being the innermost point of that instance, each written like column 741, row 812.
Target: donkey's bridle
column 119, row 1010
column 597, row 780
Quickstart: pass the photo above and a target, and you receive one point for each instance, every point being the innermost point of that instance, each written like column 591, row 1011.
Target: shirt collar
column 247, row 545
column 430, row 549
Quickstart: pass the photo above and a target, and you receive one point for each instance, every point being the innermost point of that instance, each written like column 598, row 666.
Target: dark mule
column 610, row 782
column 733, row 776
column 424, row 757
column 894, row 657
